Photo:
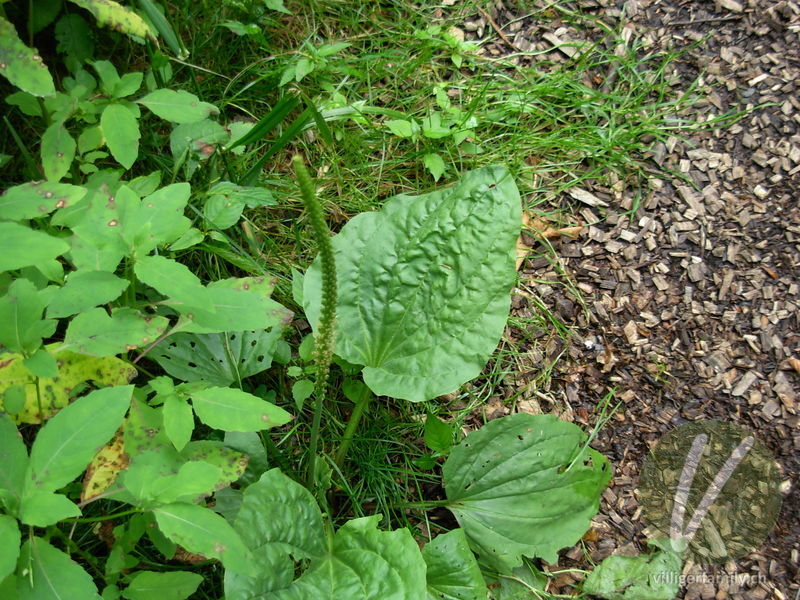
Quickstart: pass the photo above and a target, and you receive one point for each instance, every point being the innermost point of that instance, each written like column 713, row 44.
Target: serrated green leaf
column 510, row 489
column 230, row 409
column 68, row 441
column 44, row 12
column 438, row 434
column 38, row 199
column 424, row 285
column 54, row 575
column 452, row 571
column 128, row 84
column 359, row 563
column 13, row 464
column 54, row 394
column 159, row 218
column 57, row 150
column 21, row 65
column 218, row 358
column 178, row 421
column 109, row 77
column 654, row 576
column 21, row 325
column 178, row 106
column 83, row 290
column 435, row 165
column 9, row 551
column 174, row 585
column 74, row 37
column 96, row 333
column 23, row 247
column 117, row 17
column 202, row 531
column 121, row 131
column 43, row 508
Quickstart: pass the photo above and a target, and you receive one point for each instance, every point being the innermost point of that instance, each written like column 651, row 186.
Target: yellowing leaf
column 104, row 468
column 116, row 16
column 54, row 393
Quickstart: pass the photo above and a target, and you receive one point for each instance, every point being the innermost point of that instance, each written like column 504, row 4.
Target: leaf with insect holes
column 54, row 394
column 121, row 131
column 218, row 358
column 203, row 531
column 57, row 575
column 424, row 285
column 117, row 17
column 21, row 65
column 68, row 441
column 452, row 571
column 84, row 290
column 519, row 486
column 358, row 561
column 230, row 409
column 21, row 325
column 24, row 247
column 57, row 150
column 173, row 585
column 38, row 199
column 96, row 333
column 178, row 106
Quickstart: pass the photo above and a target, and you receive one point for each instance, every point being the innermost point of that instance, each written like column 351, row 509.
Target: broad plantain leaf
column 21, row 325
column 424, row 285
column 121, row 131
column 37, row 199
column 178, row 106
column 68, row 441
column 54, row 393
column 117, row 17
column 514, row 490
column 452, row 571
column 359, row 562
column 13, row 464
column 174, row 585
column 230, row 409
column 23, row 247
column 218, row 358
column 58, row 151
column 83, row 290
column 53, row 574
column 654, row 576
column 9, row 551
column 202, row 531
column 21, row 65
column 95, row 333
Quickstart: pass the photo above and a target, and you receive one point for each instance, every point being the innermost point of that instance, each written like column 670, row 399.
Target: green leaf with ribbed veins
column 178, row 106
column 96, row 333
column 117, row 17
column 452, row 571
column 38, row 199
column 21, row 65
column 55, row 576
column 511, row 491
column 360, row 563
column 83, row 290
column 424, row 285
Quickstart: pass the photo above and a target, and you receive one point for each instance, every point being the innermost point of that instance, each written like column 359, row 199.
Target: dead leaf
column 539, row 227
column 104, row 468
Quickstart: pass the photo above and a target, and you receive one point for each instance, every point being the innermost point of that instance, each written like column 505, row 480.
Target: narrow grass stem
column 349, row 432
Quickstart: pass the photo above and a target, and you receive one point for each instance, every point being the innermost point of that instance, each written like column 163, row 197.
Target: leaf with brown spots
column 104, row 468
column 21, row 65
column 116, row 17
column 38, row 198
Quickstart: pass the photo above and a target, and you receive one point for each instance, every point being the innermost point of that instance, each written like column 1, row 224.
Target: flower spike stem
column 325, row 336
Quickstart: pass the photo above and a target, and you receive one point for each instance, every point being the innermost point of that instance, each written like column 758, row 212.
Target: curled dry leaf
column 540, row 227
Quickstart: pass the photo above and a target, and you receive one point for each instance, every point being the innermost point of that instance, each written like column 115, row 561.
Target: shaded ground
column 690, row 305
